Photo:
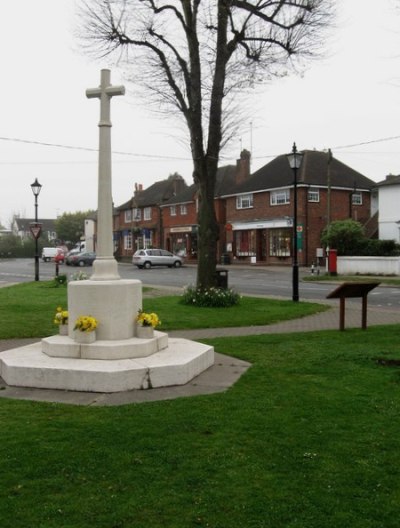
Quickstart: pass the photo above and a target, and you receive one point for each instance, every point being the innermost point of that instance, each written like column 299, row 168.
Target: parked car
column 49, row 253
column 146, row 258
column 70, row 254
column 82, row 259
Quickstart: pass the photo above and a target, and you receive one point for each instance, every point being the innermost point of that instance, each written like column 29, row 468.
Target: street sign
column 35, row 229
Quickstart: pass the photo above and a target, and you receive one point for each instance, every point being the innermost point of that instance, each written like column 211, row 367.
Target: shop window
column 281, row 197
column 128, row 241
column 280, row 242
column 245, row 243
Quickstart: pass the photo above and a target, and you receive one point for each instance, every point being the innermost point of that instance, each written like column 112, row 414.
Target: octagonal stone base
column 177, row 364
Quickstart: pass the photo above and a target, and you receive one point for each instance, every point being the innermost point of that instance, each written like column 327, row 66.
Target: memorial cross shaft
column 105, row 265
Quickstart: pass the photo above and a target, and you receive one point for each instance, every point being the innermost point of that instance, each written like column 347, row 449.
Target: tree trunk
column 205, row 175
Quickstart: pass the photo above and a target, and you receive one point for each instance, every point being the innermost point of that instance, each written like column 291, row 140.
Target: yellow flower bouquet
column 148, row 319
column 85, row 323
column 61, row 316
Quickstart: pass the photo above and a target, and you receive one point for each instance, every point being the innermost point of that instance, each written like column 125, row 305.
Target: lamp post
column 36, row 188
column 295, row 159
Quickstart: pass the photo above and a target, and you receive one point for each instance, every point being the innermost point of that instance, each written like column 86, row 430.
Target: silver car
column 146, row 258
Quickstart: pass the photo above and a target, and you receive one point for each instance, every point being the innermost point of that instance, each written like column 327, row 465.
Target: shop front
column 182, row 241
column 267, row 242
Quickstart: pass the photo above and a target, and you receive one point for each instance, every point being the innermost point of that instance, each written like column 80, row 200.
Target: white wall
column 389, row 212
column 89, row 235
column 368, row 265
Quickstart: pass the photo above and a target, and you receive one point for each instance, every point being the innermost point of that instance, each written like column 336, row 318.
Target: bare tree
column 198, row 56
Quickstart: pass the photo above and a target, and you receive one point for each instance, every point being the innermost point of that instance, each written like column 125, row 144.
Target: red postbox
column 332, row 262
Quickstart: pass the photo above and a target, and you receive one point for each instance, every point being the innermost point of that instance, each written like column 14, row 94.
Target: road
column 271, row 281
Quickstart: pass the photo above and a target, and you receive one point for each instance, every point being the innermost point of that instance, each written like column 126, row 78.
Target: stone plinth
column 115, row 305
column 177, row 364
column 63, row 346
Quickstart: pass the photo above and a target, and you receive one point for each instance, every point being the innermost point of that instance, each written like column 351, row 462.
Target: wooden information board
column 351, row 290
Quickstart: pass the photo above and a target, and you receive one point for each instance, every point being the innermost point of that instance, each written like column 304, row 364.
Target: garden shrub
column 210, row 297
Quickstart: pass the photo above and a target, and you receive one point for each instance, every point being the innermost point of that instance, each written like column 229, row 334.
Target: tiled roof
column 313, row 171
column 225, row 181
column 48, row 224
column 390, row 180
column 156, row 194
column 186, row 196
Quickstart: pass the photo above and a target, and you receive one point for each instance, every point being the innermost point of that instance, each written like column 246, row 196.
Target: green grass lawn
column 27, row 310
column 307, row 438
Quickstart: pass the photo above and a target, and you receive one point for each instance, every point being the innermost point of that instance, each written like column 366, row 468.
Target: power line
column 88, row 149
column 367, row 142
column 370, row 142
column 154, row 157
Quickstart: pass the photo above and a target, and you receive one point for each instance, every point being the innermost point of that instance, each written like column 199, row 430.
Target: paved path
column 328, row 320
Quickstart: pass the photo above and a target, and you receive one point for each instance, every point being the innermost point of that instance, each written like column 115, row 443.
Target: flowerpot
column 145, row 332
column 85, row 338
column 63, row 329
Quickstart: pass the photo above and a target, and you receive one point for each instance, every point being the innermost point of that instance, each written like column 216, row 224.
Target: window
column 280, row 197
column 245, row 243
column 147, row 213
column 183, row 209
column 128, row 215
column 172, row 210
column 313, row 195
column 137, row 214
column 279, row 242
column 128, row 241
column 356, row 198
column 244, row 201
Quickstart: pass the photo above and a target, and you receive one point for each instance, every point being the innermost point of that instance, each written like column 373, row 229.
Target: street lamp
column 36, row 188
column 295, row 159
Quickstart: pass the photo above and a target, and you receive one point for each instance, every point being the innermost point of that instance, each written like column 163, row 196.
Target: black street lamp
column 295, row 159
column 36, row 188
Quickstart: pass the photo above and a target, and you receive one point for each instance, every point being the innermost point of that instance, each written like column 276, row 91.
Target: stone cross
column 105, row 266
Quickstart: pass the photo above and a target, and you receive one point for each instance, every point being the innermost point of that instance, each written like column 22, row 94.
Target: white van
column 48, row 253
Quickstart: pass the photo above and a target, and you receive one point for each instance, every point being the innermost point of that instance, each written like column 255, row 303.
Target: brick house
column 259, row 212
column 180, row 212
column 138, row 223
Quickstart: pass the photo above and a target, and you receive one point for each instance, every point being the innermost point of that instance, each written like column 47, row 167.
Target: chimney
column 178, row 183
column 243, row 167
column 138, row 188
column 391, row 177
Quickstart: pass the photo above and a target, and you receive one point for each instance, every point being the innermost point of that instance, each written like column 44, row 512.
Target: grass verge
column 308, row 438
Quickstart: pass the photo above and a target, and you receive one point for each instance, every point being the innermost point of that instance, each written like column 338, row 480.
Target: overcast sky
column 349, row 102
